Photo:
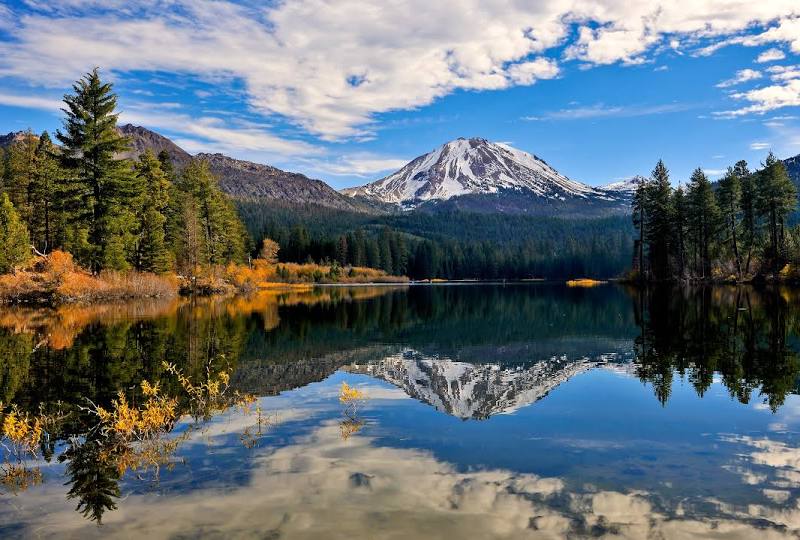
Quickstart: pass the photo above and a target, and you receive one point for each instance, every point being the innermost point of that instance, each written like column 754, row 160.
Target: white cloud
column 30, row 102
column 759, row 145
column 530, row 72
column 362, row 165
column 332, row 67
column 743, row 75
column 767, row 99
column 784, row 73
column 714, row 172
column 787, row 30
column 770, row 55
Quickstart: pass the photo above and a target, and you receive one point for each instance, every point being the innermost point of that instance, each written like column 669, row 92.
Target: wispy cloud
column 31, row 102
column 213, row 134
column 742, row 76
column 362, row 165
column 759, row 145
column 601, row 110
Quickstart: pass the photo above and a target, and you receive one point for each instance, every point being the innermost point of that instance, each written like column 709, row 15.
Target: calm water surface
column 524, row 411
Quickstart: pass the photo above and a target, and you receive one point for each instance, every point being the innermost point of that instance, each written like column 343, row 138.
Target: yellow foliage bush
column 22, row 432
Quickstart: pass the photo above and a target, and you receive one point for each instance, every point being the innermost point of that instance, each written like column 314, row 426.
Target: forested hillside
column 453, row 245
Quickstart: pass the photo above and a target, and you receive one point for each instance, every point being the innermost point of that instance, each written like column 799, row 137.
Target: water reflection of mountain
column 477, row 391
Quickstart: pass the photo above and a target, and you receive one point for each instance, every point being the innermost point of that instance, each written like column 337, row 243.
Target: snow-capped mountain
column 476, row 391
column 476, row 172
column 627, row 186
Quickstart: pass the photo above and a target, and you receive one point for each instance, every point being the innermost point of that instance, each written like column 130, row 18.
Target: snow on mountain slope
column 475, row 166
column 627, row 186
column 476, row 391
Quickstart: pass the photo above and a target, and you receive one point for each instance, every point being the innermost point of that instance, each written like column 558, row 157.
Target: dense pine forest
column 737, row 229
column 447, row 245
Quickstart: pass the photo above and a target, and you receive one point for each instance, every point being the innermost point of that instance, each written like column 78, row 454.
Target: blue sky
column 350, row 90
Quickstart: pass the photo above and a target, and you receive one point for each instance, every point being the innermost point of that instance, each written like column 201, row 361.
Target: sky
column 350, row 90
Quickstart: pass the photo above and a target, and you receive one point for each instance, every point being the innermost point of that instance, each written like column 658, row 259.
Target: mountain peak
column 628, row 185
column 476, row 167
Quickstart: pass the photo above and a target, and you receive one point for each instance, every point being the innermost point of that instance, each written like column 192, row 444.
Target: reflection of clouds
column 779, row 472
column 786, row 417
column 323, row 487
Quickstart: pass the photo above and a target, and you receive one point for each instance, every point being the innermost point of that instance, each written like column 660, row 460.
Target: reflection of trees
column 737, row 332
column 15, row 358
column 93, row 478
column 106, row 358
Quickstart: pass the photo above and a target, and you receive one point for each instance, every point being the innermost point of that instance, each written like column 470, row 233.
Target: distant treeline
column 110, row 213
column 452, row 245
column 736, row 229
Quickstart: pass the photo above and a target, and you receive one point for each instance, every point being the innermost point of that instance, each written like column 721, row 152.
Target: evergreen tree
column 152, row 254
column 777, row 198
column 223, row 234
column 640, row 223
column 166, row 166
column 102, row 184
column 747, row 203
column 659, row 221
column 386, row 263
column 729, row 195
column 20, row 174
column 703, row 221
column 46, row 224
column 14, row 240
column 190, row 247
column 679, row 224
column 342, row 250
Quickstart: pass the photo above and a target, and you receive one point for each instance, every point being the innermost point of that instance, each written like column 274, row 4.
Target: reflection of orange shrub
column 584, row 282
column 58, row 327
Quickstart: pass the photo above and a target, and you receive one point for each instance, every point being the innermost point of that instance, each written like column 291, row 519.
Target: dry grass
column 266, row 275
column 57, row 279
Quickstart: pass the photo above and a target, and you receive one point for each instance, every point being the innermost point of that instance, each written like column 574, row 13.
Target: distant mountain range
column 463, row 174
column 244, row 179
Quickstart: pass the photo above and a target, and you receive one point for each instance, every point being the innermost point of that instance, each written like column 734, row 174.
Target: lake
column 474, row 411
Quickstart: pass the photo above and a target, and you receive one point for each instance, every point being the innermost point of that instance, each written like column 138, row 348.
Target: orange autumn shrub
column 58, row 264
column 14, row 287
column 56, row 278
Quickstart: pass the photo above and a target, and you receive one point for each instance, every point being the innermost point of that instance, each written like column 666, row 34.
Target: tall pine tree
column 659, row 222
column 103, row 185
column 729, row 196
column 776, row 199
column 703, row 221
column 152, row 254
